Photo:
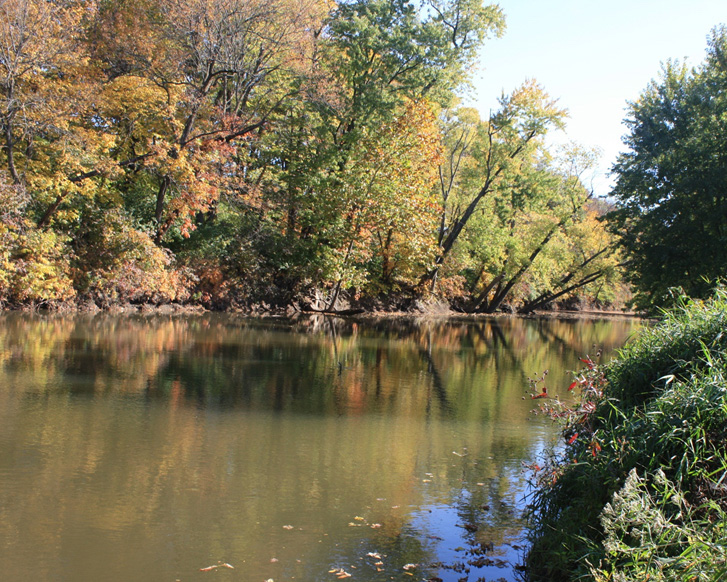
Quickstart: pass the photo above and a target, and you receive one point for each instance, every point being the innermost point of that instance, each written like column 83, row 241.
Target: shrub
column 640, row 489
column 118, row 262
column 34, row 263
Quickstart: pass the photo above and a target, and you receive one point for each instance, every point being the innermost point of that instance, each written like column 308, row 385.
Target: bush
column 640, row 489
column 118, row 262
column 34, row 263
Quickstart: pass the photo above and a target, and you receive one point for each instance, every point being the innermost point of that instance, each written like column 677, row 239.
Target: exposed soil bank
column 393, row 307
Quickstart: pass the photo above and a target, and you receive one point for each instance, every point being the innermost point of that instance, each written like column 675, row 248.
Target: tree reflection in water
column 150, row 447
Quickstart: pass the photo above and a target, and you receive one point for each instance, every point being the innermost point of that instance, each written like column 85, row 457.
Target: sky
column 594, row 56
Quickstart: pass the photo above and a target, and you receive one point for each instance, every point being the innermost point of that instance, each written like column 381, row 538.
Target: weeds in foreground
column 639, row 490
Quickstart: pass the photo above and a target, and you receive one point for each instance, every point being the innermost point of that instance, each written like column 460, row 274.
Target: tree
column 36, row 43
column 373, row 60
column 203, row 78
column 517, row 223
column 496, row 151
column 670, row 190
column 538, row 239
column 389, row 210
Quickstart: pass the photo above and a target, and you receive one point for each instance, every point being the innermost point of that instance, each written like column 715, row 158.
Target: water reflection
column 149, row 448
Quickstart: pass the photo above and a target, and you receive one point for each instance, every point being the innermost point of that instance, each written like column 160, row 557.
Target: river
column 222, row 448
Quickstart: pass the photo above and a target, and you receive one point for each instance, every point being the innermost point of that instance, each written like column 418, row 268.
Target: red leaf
column 572, row 439
column 573, row 385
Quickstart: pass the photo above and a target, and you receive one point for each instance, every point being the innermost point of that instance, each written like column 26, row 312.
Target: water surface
column 215, row 447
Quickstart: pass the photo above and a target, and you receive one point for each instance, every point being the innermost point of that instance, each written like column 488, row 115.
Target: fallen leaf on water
column 410, row 566
column 375, row 525
column 374, row 555
column 217, row 565
column 288, row 527
column 358, row 518
column 340, row 573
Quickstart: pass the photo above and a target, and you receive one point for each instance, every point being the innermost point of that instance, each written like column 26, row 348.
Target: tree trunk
column 159, row 211
column 544, row 298
column 48, row 214
column 9, row 151
column 504, row 291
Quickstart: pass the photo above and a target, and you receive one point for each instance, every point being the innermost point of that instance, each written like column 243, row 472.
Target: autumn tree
column 36, row 42
column 389, row 211
column 200, row 81
column 372, row 59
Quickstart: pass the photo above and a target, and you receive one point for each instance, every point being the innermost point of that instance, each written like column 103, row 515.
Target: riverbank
column 640, row 489
column 378, row 309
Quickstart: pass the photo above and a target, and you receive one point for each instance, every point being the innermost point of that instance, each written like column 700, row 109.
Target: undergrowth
column 639, row 491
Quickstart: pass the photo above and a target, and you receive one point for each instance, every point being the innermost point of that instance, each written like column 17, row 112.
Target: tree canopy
column 670, row 189
column 232, row 152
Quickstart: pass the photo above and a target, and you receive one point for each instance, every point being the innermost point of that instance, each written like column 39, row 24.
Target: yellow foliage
column 34, row 265
column 394, row 179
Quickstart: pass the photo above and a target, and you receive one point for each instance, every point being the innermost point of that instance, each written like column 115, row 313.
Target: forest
column 278, row 153
column 229, row 153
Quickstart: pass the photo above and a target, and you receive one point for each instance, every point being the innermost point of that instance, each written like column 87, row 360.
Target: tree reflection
column 203, row 436
column 348, row 366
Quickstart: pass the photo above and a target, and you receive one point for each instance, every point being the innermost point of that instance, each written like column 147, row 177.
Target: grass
column 640, row 490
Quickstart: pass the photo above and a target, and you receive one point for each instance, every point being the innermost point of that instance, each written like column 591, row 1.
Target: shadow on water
column 165, row 447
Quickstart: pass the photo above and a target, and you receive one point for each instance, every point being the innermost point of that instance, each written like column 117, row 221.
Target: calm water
column 170, row 448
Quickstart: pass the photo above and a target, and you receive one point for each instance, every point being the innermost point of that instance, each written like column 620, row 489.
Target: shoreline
column 437, row 311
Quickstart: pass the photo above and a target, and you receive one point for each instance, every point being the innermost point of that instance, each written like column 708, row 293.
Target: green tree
column 490, row 157
column 538, row 239
column 670, row 188
column 372, row 61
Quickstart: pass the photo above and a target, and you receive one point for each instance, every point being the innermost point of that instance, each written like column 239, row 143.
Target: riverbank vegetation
column 288, row 152
column 640, row 490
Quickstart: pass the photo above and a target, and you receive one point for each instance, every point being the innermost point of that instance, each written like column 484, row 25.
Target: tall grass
column 640, row 491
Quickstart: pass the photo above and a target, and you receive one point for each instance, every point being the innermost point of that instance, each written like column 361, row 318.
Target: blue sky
column 593, row 56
